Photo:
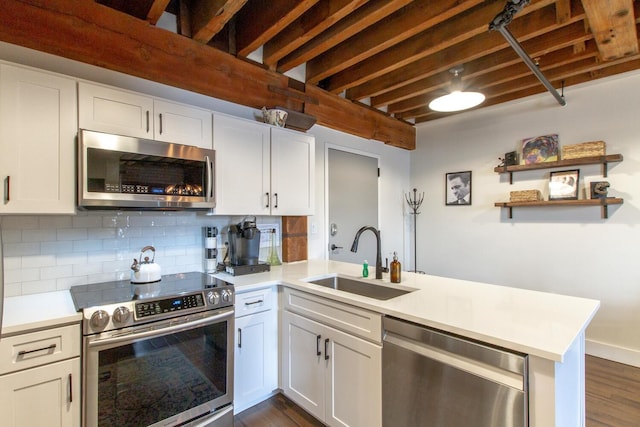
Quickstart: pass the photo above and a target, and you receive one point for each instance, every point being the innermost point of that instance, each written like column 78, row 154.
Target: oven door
column 174, row 372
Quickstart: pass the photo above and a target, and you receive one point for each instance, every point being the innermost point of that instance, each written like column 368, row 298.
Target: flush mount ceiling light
column 457, row 100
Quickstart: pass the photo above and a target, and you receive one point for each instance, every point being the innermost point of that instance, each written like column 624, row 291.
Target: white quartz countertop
column 38, row 311
column 530, row 322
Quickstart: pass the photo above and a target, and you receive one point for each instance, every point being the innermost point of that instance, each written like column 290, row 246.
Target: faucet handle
column 385, row 269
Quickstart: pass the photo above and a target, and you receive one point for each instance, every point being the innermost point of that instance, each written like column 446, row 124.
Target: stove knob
column 213, row 298
column 121, row 314
column 99, row 319
column 226, row 295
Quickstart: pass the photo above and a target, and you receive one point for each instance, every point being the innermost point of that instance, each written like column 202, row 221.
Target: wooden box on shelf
column 584, row 149
column 525, row 196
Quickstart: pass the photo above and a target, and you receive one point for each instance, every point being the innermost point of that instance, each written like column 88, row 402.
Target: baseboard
column 611, row 352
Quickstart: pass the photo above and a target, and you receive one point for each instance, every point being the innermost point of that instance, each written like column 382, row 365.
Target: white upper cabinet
column 243, row 168
column 182, row 124
column 110, row 110
column 262, row 170
column 38, row 125
column 292, row 172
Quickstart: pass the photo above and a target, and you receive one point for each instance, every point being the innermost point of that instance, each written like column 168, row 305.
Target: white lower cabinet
column 256, row 349
column 40, row 378
column 333, row 375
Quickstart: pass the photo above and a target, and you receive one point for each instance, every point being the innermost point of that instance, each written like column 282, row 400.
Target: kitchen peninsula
column 549, row 328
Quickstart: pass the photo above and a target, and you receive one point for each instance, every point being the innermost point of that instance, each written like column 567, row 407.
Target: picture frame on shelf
column 563, row 185
column 540, row 149
column 458, row 188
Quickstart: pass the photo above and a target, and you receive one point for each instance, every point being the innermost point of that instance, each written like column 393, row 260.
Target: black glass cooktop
column 97, row 294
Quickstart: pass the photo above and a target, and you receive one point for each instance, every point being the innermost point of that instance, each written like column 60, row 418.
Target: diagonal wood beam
column 92, row 33
column 354, row 23
column 208, row 17
column 613, row 25
column 260, row 22
column 407, row 22
column 156, row 10
column 319, row 18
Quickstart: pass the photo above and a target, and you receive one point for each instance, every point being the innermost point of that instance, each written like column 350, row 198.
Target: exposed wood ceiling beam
column 524, row 28
column 354, row 23
column 613, row 25
column 156, row 10
column 98, row 35
column 538, row 47
column 208, row 17
column 319, row 18
column 407, row 22
column 260, row 22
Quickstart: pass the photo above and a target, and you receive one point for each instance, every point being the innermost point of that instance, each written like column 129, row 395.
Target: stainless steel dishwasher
column 432, row 379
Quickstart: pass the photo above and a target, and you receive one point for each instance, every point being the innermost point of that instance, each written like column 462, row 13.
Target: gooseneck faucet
column 354, row 248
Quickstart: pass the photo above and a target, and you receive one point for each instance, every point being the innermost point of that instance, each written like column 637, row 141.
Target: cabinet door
column 182, row 124
column 48, row 395
column 256, row 359
column 292, row 172
column 109, row 110
column 38, row 125
column 354, row 382
column 303, row 364
column 242, row 166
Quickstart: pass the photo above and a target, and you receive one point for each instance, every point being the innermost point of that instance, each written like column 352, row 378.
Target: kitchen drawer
column 254, row 301
column 356, row 321
column 38, row 348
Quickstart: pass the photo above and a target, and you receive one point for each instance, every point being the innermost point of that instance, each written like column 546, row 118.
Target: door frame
column 327, row 147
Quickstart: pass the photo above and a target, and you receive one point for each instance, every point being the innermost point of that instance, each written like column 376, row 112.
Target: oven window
column 148, row 381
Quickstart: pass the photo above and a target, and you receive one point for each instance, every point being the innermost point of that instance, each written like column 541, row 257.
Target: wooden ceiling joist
column 91, row 33
column 613, row 25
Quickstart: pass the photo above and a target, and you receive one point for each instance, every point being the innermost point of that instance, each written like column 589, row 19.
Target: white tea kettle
column 145, row 271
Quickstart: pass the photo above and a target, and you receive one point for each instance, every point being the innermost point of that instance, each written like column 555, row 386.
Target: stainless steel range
column 157, row 354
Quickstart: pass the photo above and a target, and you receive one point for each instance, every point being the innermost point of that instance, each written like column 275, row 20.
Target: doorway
column 352, row 188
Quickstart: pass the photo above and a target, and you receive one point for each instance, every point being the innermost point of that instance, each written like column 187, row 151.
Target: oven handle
column 146, row 332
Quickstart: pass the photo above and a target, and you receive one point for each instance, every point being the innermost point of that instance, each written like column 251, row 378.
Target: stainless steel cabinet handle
column 254, row 302
column 23, row 352
column 267, row 200
column 239, row 337
column 318, row 352
column 210, row 179
column 326, row 349
column 160, row 124
column 70, row 388
column 147, row 113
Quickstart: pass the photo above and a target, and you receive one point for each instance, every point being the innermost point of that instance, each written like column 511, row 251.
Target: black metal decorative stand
column 414, row 203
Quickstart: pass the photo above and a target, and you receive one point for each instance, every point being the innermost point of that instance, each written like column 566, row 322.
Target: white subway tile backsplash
column 21, row 249
column 71, row 234
column 48, row 253
column 40, row 235
column 55, row 222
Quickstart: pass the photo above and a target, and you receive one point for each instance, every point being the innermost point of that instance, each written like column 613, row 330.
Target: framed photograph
column 540, row 149
column 458, row 188
column 563, row 185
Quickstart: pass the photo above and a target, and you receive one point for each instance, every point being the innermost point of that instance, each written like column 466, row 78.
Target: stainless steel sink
column 360, row 287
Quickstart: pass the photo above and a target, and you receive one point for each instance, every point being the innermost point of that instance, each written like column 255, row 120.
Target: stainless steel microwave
column 120, row 172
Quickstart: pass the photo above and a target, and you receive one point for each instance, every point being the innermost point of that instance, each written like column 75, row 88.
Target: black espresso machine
column 244, row 248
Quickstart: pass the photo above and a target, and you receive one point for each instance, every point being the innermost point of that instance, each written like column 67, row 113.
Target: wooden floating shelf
column 603, row 203
column 592, row 160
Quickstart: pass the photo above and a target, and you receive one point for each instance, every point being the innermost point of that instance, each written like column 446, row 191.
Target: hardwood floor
column 278, row 411
column 612, row 400
column 612, row 393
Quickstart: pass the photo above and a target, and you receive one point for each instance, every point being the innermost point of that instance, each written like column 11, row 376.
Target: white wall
column 564, row 250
